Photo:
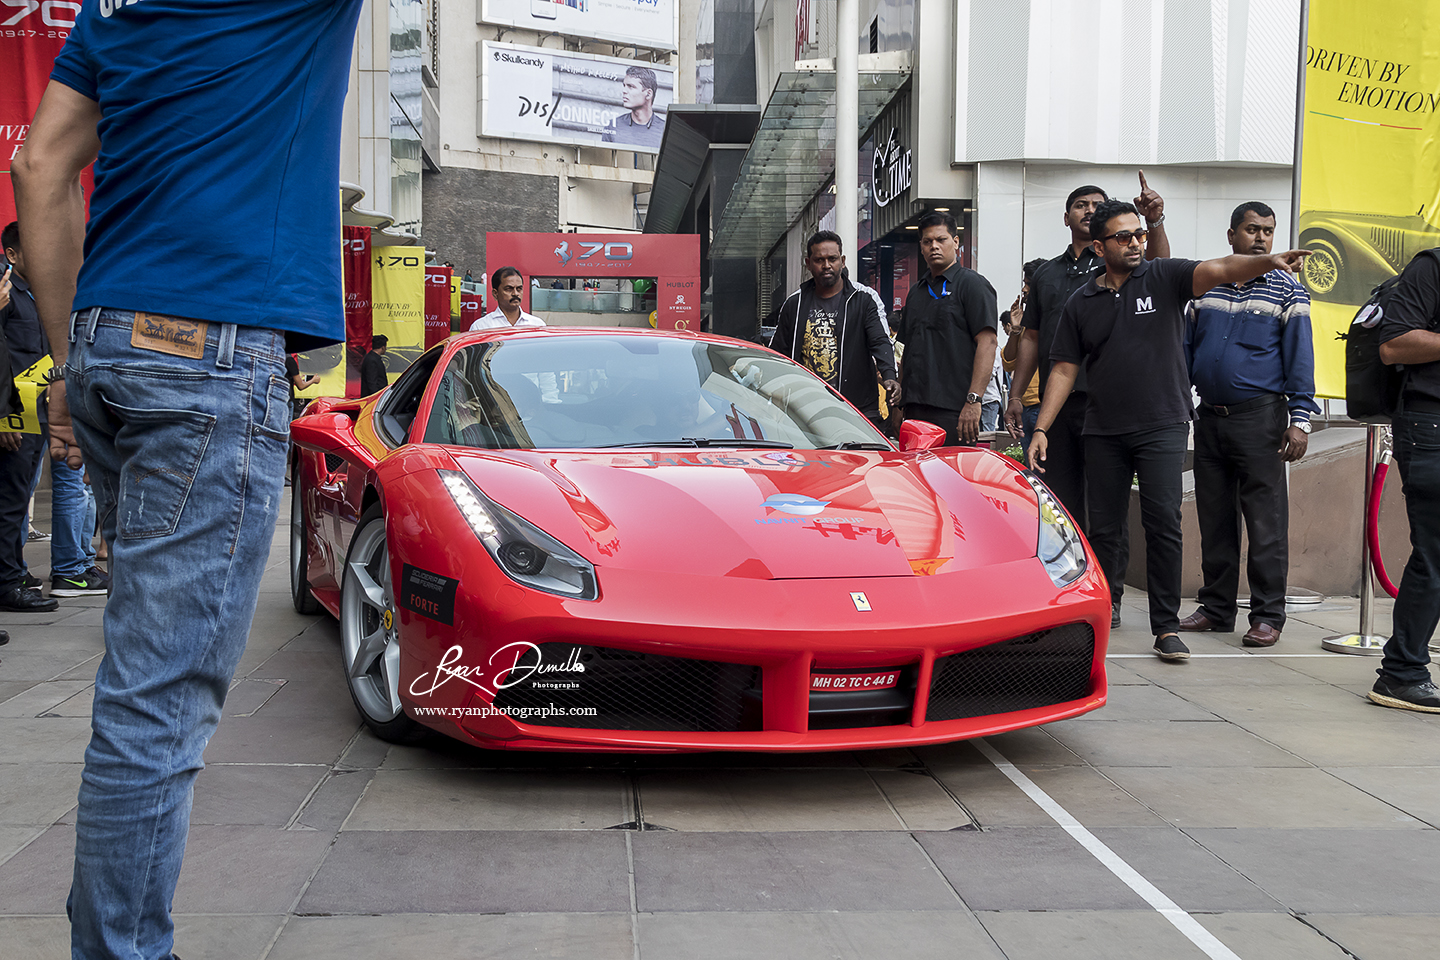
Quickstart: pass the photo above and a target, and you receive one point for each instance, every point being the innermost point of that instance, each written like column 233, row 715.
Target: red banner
column 358, row 314
column 31, row 39
column 472, row 308
column 672, row 259
column 437, row 304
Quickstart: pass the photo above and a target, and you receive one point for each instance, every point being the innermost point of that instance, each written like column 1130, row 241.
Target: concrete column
column 847, row 120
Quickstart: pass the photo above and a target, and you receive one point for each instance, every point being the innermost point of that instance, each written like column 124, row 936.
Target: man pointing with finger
column 1050, row 288
column 1127, row 328
column 210, row 251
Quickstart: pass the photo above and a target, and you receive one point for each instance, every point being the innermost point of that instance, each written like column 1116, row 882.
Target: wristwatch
column 54, row 373
column 973, row 398
column 1302, row 425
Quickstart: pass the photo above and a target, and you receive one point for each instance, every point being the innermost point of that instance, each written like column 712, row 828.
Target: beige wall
column 1326, row 522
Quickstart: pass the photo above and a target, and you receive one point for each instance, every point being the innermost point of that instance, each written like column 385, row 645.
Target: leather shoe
column 1260, row 635
column 21, row 600
column 1198, row 622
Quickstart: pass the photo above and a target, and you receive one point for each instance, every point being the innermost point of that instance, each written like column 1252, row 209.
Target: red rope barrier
column 1372, row 528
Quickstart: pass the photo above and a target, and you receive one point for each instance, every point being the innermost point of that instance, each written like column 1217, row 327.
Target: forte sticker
column 428, row 594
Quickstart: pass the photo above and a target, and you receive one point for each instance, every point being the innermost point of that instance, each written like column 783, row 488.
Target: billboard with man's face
column 649, row 23
column 532, row 93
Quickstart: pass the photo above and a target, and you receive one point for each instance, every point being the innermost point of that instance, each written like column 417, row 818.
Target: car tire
column 1323, row 272
column 300, row 594
column 370, row 649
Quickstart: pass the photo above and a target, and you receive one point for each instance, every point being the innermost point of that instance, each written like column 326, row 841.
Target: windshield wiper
column 858, row 445
column 700, row 442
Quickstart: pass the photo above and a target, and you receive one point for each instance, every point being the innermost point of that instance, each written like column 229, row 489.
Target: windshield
column 566, row 392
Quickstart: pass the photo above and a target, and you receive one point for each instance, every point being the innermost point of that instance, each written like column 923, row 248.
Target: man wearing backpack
column 1410, row 334
column 1251, row 360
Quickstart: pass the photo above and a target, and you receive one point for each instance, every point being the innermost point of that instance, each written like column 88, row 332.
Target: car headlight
column 527, row 554
column 1060, row 548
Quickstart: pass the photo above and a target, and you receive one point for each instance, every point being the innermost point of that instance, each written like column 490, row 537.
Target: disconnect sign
column 550, row 95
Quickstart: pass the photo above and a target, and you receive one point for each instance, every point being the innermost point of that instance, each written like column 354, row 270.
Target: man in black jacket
column 835, row 330
column 373, row 378
column 20, row 453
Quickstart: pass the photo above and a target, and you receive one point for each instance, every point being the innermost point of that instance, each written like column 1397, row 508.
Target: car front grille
column 633, row 691
column 1036, row 670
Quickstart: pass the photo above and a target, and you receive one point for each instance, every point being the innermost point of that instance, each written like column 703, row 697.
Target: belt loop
column 90, row 323
column 74, row 315
column 225, row 352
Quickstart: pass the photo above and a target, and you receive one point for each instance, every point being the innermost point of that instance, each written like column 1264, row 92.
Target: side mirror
column 332, row 433
column 918, row 435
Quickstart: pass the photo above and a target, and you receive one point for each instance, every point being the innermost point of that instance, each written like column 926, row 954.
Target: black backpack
column 1372, row 387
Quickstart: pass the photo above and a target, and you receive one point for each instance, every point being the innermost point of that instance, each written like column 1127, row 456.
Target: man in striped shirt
column 1252, row 362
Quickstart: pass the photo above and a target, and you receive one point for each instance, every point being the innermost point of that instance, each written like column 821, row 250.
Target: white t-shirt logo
column 107, row 7
column 1144, row 305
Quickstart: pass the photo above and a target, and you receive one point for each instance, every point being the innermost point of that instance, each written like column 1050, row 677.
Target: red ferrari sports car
column 647, row 541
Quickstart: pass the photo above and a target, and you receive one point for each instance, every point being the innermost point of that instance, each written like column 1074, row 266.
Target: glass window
column 565, row 392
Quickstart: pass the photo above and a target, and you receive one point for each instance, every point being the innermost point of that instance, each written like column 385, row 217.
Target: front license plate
column 882, row 680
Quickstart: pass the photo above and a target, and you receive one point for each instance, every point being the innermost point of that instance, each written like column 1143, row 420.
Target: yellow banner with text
column 1370, row 169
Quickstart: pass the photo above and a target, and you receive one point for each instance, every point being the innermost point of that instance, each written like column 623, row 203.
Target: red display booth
column 672, row 259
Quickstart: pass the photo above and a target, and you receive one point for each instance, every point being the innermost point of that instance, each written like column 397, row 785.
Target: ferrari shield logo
column 389, row 620
column 862, row 603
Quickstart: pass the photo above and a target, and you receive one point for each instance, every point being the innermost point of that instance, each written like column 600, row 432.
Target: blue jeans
column 187, row 458
column 72, row 521
column 1029, row 416
column 990, row 415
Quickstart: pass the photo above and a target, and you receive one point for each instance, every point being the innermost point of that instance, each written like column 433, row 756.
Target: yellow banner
column 397, row 285
column 1370, row 171
column 327, row 363
column 455, row 297
column 29, row 384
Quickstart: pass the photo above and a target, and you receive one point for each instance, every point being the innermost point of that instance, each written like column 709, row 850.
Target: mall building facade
column 468, row 118
column 994, row 112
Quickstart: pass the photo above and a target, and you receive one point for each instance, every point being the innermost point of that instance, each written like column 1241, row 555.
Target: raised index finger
column 1143, row 185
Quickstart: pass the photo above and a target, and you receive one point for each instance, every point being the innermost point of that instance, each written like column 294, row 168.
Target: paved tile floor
column 1259, row 793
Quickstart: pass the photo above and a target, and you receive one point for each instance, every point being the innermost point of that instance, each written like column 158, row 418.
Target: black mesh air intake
column 1036, row 670
column 634, row 691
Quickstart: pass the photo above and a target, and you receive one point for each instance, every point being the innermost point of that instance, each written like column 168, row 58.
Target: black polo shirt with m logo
column 1131, row 343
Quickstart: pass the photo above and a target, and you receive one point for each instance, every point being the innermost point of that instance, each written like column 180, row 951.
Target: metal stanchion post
column 1364, row 643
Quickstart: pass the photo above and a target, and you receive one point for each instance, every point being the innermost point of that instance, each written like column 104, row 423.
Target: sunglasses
column 1125, row 236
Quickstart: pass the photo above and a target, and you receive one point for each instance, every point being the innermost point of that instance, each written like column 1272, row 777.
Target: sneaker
column 30, row 581
column 35, row 536
column 1423, row 696
column 91, row 583
column 1169, row 647
column 1114, row 615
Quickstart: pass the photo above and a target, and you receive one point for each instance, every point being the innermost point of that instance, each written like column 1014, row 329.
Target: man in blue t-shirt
column 214, row 127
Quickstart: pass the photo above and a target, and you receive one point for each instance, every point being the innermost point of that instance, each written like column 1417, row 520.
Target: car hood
column 770, row 514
